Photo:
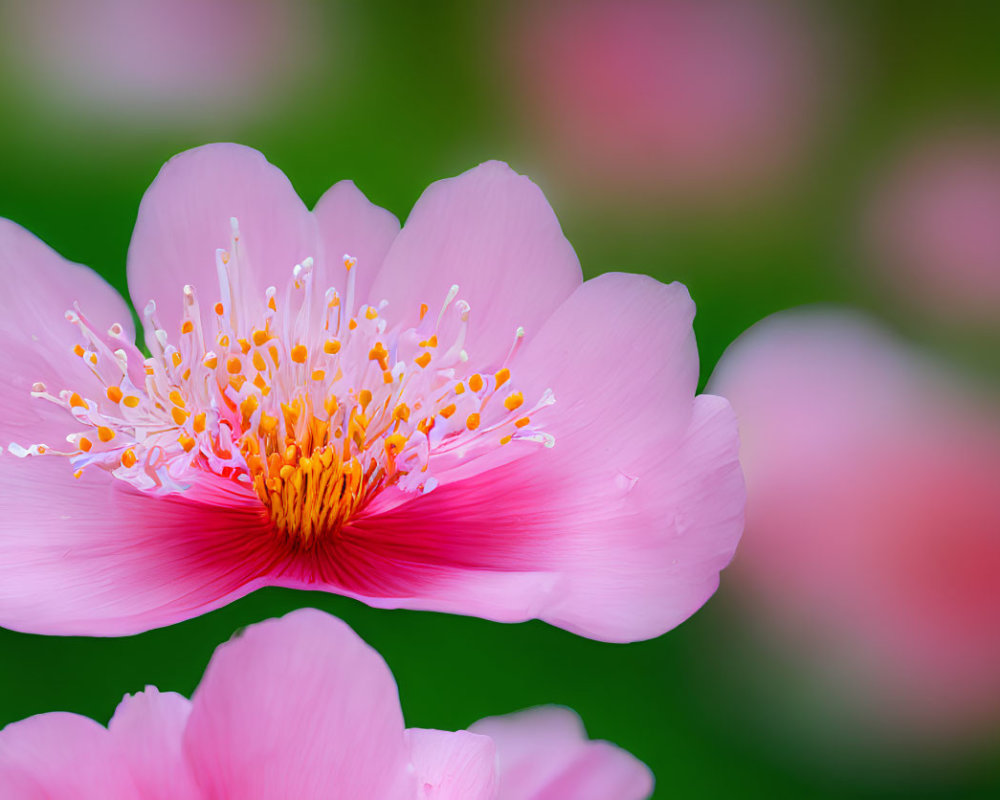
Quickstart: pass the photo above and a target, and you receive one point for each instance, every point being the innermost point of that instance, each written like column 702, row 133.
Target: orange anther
column 506, row 439
column 380, row 354
column 394, row 443
column 260, row 338
column 319, row 374
column 460, row 388
column 472, row 421
column 352, row 324
column 105, row 434
column 522, row 422
column 198, row 423
column 423, row 310
column 177, row 359
column 244, row 345
column 299, row 354
column 425, row 425
column 448, row 410
column 220, row 309
column 76, row 401
column 179, row 415
column 234, row 366
column 78, row 349
column 331, row 347
column 401, row 412
column 187, row 442
column 187, row 326
column 84, row 444
column 131, row 401
column 272, row 305
column 371, row 312
column 476, row 382
column 364, row 398
column 211, row 361
column 514, row 401
column 128, row 458
column 423, row 359
column 176, row 399
column 259, row 362
column 387, row 377
column 502, row 377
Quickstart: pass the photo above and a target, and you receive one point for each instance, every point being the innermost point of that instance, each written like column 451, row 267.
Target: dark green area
column 415, row 100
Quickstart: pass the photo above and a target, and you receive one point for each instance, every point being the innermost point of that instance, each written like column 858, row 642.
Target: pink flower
column 873, row 532
column 301, row 708
column 445, row 418
column 932, row 226
column 683, row 98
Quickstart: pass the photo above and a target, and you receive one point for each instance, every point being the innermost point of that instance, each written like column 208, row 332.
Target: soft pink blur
column 933, row 226
column 301, row 708
column 873, row 527
column 672, row 98
column 141, row 59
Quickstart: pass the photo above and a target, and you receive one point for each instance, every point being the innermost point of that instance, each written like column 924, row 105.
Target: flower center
column 315, row 405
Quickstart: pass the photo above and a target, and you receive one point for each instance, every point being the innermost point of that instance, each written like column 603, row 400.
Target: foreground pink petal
column 301, row 708
column 874, row 535
column 544, row 754
column 442, row 417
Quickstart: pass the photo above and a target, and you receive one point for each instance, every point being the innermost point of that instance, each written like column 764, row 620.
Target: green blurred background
column 396, row 95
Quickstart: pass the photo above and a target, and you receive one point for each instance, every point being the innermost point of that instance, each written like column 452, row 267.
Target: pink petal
column 298, row 708
column 453, row 766
column 37, row 340
column 350, row 225
column 545, row 755
column 618, row 532
column 61, row 756
column 148, row 728
column 492, row 232
column 185, row 217
column 91, row 556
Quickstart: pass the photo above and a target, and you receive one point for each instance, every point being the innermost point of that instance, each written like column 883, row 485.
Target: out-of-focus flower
column 673, row 98
column 544, row 753
column 168, row 61
column 873, row 530
column 933, row 226
column 355, row 423
column 297, row 707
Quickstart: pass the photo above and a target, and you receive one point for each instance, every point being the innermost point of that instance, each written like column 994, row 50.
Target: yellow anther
column 299, row 354
column 187, row 326
column 401, row 412
column 210, row 361
column 331, row 347
column 187, row 442
column 177, row 359
column 514, row 401
column 472, row 421
column 258, row 361
column 223, row 341
column 506, row 439
column 423, row 359
column 84, row 444
column 260, row 383
column 330, row 405
column 319, row 375
column 394, row 443
column 380, row 354
column 248, row 406
column 131, row 401
column 234, row 366
column 128, row 458
column 364, row 398
column 198, row 423
column 268, row 424
column 260, row 338
column 237, row 381
column 179, row 415
column 502, row 377
column 272, row 350
column 78, row 473
column 371, row 312
column 460, row 388
column 522, row 422
column 105, row 434
column 476, row 382
column 425, row 425
column 448, row 410
column 176, row 399
column 244, row 345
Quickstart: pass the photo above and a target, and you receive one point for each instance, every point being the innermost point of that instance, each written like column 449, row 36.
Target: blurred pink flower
column 544, row 754
column 358, row 424
column 873, row 528
column 172, row 60
column 933, row 227
column 681, row 98
column 300, row 707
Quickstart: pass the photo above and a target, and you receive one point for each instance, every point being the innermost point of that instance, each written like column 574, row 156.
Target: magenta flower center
column 313, row 403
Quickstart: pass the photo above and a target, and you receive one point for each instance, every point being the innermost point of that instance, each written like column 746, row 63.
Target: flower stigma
column 315, row 405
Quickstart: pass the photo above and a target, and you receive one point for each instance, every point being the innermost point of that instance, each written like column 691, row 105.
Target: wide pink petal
column 184, row 217
column 91, row 556
column 619, row 531
column 351, row 225
column 299, row 708
column 453, row 766
column 61, row 756
column 492, row 232
column 544, row 754
column 36, row 339
column 147, row 729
